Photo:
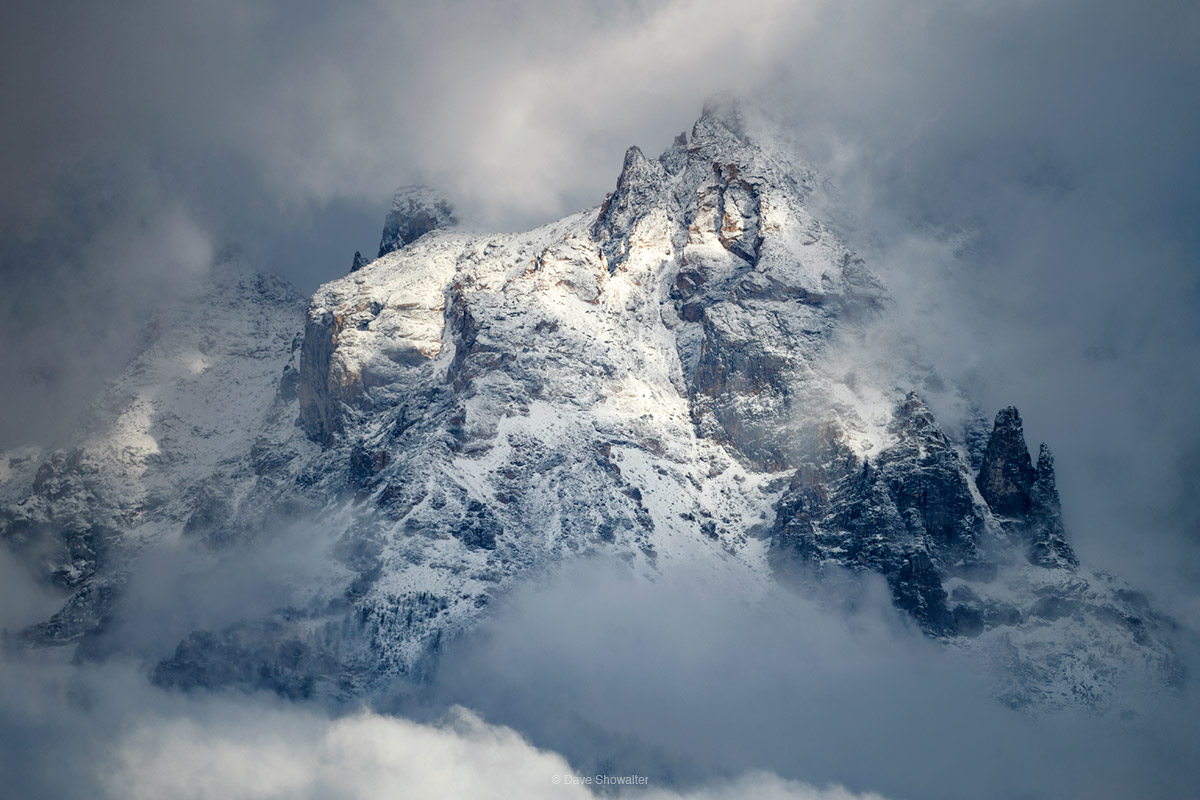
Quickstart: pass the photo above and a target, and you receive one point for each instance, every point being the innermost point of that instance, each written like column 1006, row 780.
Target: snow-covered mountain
column 698, row 374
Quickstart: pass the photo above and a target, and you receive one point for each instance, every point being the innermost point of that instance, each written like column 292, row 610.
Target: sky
column 1023, row 174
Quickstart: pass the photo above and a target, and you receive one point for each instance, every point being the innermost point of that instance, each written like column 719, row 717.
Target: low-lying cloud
column 78, row 296
column 682, row 679
column 286, row 754
column 593, row 676
column 102, row 731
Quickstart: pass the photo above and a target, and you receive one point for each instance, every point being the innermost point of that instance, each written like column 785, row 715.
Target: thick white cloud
column 291, row 755
column 89, row 731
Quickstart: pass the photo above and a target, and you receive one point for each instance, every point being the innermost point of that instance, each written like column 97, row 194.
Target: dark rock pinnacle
column 416, row 210
column 1007, row 474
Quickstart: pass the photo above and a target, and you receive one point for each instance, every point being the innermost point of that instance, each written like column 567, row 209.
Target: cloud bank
column 103, row 732
column 595, row 673
column 685, row 680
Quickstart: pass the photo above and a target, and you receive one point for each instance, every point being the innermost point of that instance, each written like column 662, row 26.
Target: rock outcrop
column 1048, row 545
column 416, row 210
column 1024, row 497
column 906, row 514
column 1007, row 474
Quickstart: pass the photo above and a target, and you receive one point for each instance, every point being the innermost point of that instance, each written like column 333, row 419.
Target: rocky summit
column 696, row 374
column 416, row 210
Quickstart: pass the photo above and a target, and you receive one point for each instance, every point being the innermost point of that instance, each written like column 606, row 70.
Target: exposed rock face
column 637, row 193
column 1007, row 475
column 358, row 263
column 684, row 375
column 331, row 384
column 908, row 515
column 319, row 385
column 1048, row 545
column 959, row 567
column 1024, row 497
column 416, row 210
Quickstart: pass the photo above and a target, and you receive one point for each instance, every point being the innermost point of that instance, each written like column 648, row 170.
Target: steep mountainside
column 170, row 449
column 696, row 374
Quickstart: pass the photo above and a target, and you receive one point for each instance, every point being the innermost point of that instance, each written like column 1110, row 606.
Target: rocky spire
column 358, row 263
column 416, row 210
column 1007, row 474
column 721, row 114
column 1024, row 497
column 639, row 189
column 1047, row 538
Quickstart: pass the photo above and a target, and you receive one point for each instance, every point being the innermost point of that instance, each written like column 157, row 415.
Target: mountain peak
column 684, row 378
column 416, row 210
column 1007, row 474
column 726, row 110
